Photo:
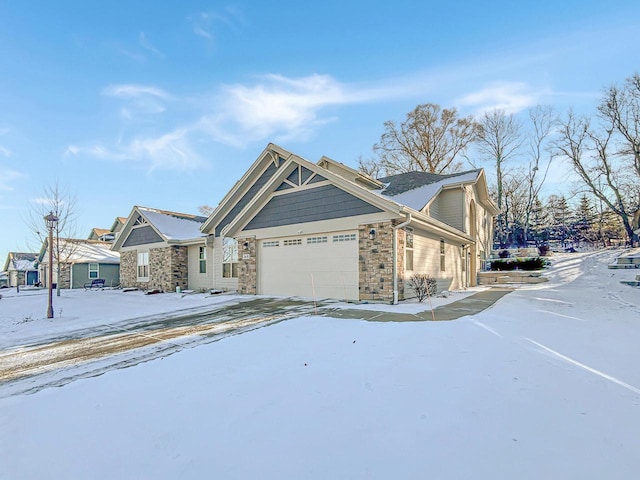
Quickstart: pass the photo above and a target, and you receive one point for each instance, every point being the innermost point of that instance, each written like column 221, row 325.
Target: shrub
column 423, row 286
column 531, row 263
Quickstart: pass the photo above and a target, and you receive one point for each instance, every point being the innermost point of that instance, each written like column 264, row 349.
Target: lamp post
column 51, row 221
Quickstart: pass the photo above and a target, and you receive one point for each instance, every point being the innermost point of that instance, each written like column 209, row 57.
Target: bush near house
column 533, row 263
column 423, row 286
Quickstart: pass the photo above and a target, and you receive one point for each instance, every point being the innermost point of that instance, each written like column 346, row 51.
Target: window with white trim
column 294, row 241
column 94, row 270
column 143, row 266
column 229, row 258
column 408, row 249
column 202, row 259
column 349, row 237
column 442, row 257
column 312, row 240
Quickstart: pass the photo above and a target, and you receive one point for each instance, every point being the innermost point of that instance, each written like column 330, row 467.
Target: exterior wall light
column 372, row 234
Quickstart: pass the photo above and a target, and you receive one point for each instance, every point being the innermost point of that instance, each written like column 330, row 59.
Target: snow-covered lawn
column 544, row 384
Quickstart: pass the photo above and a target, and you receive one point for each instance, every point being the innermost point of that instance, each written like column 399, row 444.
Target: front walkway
column 466, row 306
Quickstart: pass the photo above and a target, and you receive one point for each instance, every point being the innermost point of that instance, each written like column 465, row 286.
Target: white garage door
column 317, row 266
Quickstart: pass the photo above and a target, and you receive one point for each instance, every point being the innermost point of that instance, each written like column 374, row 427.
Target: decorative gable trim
column 272, row 157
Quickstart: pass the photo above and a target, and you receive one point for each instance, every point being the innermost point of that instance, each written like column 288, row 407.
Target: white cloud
column 279, row 107
column 140, row 99
column 203, row 23
column 8, row 178
column 4, row 151
column 169, row 151
column 147, row 45
column 133, row 90
column 511, row 97
column 273, row 107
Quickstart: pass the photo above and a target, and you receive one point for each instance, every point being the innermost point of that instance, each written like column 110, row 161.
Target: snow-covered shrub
column 423, row 286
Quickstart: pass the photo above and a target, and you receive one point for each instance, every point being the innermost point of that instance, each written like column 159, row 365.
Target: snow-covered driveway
column 543, row 384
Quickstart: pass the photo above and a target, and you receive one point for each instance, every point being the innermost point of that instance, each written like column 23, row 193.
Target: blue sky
column 166, row 104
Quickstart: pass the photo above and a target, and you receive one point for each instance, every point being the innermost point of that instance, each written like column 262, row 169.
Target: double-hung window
column 94, row 270
column 408, row 249
column 442, row 257
column 143, row 266
column 202, row 259
column 229, row 258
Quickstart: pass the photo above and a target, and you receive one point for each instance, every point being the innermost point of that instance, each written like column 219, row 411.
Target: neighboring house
column 163, row 250
column 108, row 235
column 102, row 234
column 21, row 269
column 81, row 261
column 4, row 280
column 292, row 227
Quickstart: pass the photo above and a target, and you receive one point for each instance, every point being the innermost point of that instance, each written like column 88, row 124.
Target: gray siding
column 107, row 271
column 142, row 236
column 322, row 203
column 247, row 197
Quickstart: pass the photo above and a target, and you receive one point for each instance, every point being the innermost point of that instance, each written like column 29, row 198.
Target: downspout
column 395, row 255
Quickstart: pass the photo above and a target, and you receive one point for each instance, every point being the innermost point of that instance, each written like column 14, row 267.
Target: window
column 442, row 264
column 295, row 241
column 345, row 238
column 202, row 256
column 312, row 240
column 229, row 258
column 408, row 249
column 143, row 266
column 271, row 243
column 94, row 271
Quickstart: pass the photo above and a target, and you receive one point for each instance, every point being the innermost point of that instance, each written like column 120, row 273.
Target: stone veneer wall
column 128, row 267
column 247, row 273
column 168, row 268
column 376, row 262
column 64, row 276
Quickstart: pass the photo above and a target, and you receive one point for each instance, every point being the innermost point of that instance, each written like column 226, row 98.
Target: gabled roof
column 171, row 226
column 21, row 262
column 399, row 195
column 272, row 154
column 349, row 173
column 74, row 250
column 174, row 225
column 118, row 223
column 417, row 189
column 285, row 169
column 98, row 232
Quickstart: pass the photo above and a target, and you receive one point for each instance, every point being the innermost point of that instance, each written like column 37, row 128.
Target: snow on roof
column 21, row 262
column 86, row 251
column 417, row 197
column 173, row 225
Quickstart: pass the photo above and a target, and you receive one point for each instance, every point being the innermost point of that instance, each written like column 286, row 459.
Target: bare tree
column 499, row 140
column 371, row 167
column 63, row 204
column 542, row 121
column 206, row 210
column 620, row 108
column 429, row 140
column 599, row 164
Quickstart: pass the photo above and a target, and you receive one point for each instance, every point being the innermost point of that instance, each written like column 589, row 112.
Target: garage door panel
column 315, row 267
